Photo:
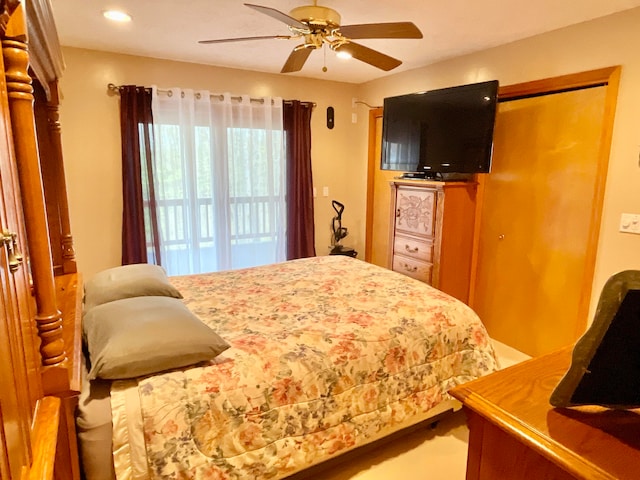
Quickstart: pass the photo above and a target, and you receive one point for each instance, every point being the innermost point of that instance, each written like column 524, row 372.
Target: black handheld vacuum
column 339, row 232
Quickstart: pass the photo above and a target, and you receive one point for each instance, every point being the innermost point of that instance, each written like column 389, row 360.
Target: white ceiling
column 169, row 29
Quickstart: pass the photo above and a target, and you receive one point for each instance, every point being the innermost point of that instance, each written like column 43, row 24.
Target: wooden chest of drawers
column 514, row 433
column 432, row 233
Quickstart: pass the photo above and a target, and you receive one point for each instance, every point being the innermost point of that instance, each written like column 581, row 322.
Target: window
column 219, row 180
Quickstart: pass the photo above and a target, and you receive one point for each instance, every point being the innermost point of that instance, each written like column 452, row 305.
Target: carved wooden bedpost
column 20, row 95
column 47, row 117
column 53, row 110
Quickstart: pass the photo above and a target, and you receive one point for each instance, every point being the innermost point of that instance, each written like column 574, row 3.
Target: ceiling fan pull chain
column 324, row 52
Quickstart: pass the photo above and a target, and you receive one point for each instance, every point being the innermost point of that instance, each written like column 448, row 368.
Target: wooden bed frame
column 41, row 289
column 41, row 294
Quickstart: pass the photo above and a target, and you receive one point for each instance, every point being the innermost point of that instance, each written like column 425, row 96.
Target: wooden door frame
column 609, row 77
column 374, row 113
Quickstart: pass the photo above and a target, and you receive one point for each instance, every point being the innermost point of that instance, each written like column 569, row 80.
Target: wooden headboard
column 40, row 326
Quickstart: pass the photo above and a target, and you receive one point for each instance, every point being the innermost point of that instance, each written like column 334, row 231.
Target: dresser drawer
column 414, row 248
column 415, row 211
column 412, row 268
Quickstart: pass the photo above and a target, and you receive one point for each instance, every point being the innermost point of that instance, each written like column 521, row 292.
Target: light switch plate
column 630, row 223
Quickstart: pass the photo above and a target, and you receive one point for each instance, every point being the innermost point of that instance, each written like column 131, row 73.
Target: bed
column 337, row 397
column 326, row 354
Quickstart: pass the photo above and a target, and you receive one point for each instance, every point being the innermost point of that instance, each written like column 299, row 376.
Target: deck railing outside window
column 251, row 221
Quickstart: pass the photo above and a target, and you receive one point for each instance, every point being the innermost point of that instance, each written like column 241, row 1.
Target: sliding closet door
column 540, row 218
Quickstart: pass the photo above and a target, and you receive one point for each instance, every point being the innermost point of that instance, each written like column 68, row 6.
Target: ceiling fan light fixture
column 117, row 16
column 343, row 54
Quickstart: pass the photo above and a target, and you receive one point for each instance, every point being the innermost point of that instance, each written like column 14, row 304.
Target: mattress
column 327, row 354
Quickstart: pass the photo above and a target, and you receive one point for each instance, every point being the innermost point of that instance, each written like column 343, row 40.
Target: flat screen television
column 440, row 133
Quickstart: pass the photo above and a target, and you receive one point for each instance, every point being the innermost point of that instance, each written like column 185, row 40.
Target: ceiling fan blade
column 367, row 55
column 278, row 15
column 242, row 39
column 296, row 59
column 381, row 30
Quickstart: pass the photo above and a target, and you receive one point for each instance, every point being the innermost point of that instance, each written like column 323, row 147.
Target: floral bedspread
column 326, row 353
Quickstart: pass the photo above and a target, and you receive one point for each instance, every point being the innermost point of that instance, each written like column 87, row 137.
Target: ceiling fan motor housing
column 316, row 17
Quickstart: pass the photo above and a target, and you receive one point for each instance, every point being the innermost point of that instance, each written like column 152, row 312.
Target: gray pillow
column 137, row 280
column 139, row 336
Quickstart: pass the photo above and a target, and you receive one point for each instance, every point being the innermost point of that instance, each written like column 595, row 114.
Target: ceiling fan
column 317, row 25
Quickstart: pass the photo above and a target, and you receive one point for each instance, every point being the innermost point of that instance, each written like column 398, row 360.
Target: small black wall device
column 329, row 118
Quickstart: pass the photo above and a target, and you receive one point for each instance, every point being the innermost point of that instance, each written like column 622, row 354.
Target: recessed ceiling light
column 116, row 16
column 344, row 55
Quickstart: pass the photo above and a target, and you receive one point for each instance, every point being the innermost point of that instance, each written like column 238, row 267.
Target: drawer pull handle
column 398, row 213
column 411, row 250
column 408, row 268
column 10, row 242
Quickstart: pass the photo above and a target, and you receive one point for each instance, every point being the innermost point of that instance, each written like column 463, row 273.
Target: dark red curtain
column 136, row 127
column 300, row 220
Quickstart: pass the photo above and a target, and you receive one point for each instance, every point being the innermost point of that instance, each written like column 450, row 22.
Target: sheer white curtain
column 219, row 177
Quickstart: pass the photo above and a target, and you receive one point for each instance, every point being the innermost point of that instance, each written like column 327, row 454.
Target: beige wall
column 600, row 43
column 91, row 143
column 91, row 136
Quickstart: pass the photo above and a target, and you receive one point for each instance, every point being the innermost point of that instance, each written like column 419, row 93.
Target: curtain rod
column 115, row 89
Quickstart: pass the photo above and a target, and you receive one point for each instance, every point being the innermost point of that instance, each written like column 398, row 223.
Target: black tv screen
column 443, row 131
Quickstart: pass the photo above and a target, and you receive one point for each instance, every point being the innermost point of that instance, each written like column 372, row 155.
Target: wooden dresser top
column 588, row 442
